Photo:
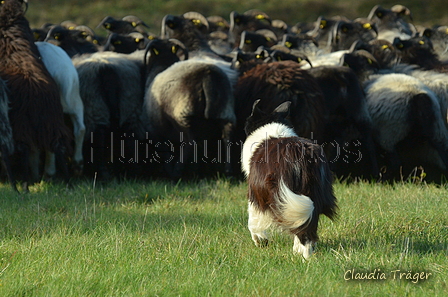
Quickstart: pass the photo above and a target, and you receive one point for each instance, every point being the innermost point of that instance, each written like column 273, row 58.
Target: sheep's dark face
column 361, row 62
column 171, row 25
column 10, row 12
column 58, row 34
column 166, row 52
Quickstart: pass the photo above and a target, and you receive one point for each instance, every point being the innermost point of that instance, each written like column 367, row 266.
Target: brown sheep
column 35, row 108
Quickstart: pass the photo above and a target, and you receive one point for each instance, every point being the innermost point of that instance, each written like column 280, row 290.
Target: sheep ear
column 283, row 108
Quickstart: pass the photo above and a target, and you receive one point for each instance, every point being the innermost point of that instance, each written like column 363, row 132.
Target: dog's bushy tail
column 294, row 210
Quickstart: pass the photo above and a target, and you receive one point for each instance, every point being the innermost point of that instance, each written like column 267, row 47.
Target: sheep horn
column 134, row 20
column 259, row 15
column 373, row 12
column 148, row 47
column 334, row 32
column 166, row 18
column 196, row 16
column 106, row 19
column 401, row 10
column 308, row 60
column 26, row 6
column 182, row 46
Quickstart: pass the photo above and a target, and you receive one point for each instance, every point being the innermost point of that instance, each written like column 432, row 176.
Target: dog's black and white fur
column 290, row 183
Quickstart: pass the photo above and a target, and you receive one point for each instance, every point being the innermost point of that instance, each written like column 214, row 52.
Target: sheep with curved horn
column 73, row 42
column 126, row 25
column 390, row 22
column 191, row 105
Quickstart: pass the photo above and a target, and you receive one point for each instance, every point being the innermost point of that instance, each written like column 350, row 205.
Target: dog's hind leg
column 258, row 223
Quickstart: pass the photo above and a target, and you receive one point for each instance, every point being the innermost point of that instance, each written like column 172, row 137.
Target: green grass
column 90, row 13
column 154, row 238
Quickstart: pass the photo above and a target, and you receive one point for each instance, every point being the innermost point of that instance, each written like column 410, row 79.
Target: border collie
column 289, row 180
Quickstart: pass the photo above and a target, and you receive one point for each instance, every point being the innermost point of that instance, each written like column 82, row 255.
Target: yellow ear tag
column 323, row 24
column 173, row 49
column 268, row 39
column 385, row 46
column 196, row 22
column 367, row 26
column 288, row 44
column 134, row 24
column 137, row 40
column 156, row 51
column 248, row 41
column 299, row 60
column 259, row 17
column 370, row 61
column 107, row 26
column 421, row 42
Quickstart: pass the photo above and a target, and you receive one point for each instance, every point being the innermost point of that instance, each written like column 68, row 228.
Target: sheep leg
column 393, row 164
column 442, row 151
column 371, row 151
column 23, row 155
column 100, row 146
column 50, row 165
column 34, row 158
column 60, row 158
column 227, row 136
column 79, row 131
column 257, row 224
column 7, row 165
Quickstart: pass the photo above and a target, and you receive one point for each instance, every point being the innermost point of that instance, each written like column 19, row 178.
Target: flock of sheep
column 373, row 92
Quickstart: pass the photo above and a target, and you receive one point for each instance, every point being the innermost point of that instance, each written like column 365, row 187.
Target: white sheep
column 61, row 68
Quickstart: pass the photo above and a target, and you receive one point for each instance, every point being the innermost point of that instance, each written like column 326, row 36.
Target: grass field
column 90, row 13
column 156, row 238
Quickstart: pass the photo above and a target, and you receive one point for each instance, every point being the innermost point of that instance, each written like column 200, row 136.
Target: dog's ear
column 255, row 108
column 283, row 109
